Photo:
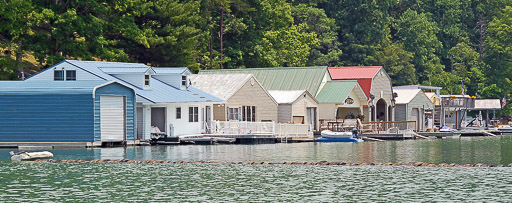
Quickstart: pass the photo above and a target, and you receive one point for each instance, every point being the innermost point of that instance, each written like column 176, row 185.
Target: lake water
column 114, row 182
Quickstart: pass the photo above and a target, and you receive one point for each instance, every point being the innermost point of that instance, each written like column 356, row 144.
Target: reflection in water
column 487, row 150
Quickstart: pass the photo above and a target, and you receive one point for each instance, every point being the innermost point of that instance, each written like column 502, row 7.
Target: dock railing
column 278, row 130
column 285, row 130
column 388, row 127
column 242, row 128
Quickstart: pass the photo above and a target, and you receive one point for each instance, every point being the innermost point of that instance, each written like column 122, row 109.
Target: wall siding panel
column 255, row 95
column 285, row 113
column 46, row 118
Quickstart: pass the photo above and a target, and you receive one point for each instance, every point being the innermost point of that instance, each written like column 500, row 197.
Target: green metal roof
column 336, row 91
column 283, row 78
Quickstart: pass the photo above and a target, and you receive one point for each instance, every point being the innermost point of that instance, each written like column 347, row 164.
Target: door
column 112, row 118
column 158, row 118
column 311, row 113
column 207, row 119
column 140, row 123
column 416, row 117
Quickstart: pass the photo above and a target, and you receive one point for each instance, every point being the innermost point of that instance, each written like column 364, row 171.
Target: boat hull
column 331, row 134
column 323, row 139
column 31, row 156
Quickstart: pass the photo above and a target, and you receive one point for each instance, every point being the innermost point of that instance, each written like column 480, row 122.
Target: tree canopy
column 438, row 43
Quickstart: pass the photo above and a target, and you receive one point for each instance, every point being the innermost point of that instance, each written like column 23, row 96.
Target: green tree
column 16, row 26
column 418, row 35
column 498, row 56
column 398, row 63
column 328, row 51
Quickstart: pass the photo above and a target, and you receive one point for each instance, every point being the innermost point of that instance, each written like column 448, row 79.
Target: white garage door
column 112, row 118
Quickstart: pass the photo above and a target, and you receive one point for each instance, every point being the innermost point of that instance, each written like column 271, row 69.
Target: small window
column 233, row 114
column 146, row 80
column 71, row 75
column 58, row 75
column 193, row 114
column 184, row 80
column 178, row 112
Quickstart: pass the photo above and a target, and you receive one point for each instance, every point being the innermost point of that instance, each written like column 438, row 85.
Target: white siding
column 136, row 79
column 327, row 111
column 285, row 113
column 300, row 106
column 171, row 79
column 47, row 75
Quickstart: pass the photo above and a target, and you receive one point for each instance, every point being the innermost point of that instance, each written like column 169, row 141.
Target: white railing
column 242, row 128
column 279, row 130
column 284, row 130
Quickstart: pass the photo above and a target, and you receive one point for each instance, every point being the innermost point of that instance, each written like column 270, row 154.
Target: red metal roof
column 353, row 72
column 363, row 74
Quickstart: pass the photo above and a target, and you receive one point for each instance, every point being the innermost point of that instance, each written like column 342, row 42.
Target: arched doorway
column 381, row 110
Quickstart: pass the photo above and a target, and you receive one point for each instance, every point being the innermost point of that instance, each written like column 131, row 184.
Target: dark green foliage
column 435, row 42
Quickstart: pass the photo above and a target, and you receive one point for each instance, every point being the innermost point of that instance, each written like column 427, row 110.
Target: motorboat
column 446, row 129
column 30, row 156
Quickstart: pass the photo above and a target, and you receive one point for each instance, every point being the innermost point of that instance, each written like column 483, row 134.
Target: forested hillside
column 435, row 42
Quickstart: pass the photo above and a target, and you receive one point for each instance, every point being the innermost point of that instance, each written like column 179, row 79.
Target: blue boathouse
column 78, row 111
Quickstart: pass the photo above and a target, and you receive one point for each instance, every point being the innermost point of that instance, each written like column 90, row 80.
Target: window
column 233, row 114
column 184, row 80
column 71, row 75
column 178, row 112
column 193, row 114
column 249, row 113
column 146, row 80
column 58, row 75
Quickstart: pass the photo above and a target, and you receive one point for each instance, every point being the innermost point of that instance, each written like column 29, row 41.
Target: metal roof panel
column 283, row 78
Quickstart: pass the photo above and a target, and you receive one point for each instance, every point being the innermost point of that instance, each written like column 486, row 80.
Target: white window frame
column 248, row 113
column 73, row 78
column 184, row 80
column 233, row 113
column 193, row 116
column 180, row 116
column 147, row 78
column 62, row 75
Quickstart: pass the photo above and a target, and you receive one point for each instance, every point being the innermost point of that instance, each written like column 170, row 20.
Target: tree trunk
column 221, row 33
column 19, row 61
column 482, row 29
column 210, row 43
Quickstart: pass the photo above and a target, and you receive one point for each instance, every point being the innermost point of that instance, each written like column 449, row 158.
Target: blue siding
column 116, row 89
column 46, row 118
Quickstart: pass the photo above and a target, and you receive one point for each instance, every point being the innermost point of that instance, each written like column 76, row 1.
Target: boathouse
column 55, row 111
column 297, row 107
column 164, row 97
column 412, row 105
column 246, row 99
column 311, row 79
column 341, row 100
column 376, row 85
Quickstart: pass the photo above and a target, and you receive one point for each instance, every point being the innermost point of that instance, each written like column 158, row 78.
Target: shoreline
column 319, row 163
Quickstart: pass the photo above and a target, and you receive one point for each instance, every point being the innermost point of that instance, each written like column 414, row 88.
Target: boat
column 30, row 156
column 446, row 129
column 331, row 136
